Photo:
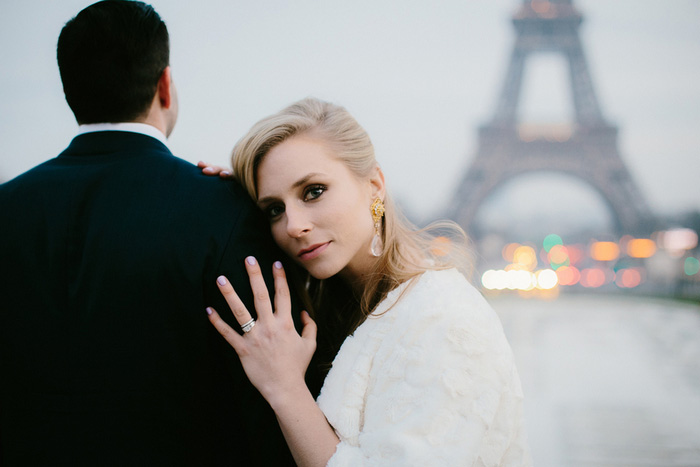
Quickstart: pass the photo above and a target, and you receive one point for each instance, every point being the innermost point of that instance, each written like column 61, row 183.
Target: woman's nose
column 298, row 223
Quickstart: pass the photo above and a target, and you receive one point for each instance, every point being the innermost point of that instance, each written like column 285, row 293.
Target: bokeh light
column 576, row 253
column 624, row 264
column 641, row 248
column 551, row 240
column 558, row 256
column 604, row 251
column 568, row 275
column 524, row 257
column 691, row 266
column 546, row 279
column 493, row 280
column 592, row 277
column 520, row 280
column 441, row 246
column 509, row 251
column 628, row 278
column 677, row 240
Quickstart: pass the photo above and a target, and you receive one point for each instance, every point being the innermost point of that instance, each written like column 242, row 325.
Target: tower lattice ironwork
column 586, row 148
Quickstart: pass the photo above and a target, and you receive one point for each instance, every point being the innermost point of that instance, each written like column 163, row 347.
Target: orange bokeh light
column 641, row 248
column 525, row 257
column 568, row 275
column 558, row 254
column 604, row 251
column 441, row 246
column 509, row 251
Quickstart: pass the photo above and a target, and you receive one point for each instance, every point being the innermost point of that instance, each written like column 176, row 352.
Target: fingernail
column 221, row 280
column 250, row 260
column 225, row 172
column 278, row 265
column 209, row 311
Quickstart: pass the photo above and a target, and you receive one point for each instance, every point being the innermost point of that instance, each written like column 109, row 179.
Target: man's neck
column 133, row 127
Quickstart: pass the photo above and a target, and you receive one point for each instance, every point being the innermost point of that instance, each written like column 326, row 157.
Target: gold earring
column 377, row 210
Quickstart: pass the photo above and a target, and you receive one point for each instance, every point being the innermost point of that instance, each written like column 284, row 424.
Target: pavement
column 608, row 380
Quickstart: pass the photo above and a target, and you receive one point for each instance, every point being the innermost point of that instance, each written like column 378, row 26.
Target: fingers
column 283, row 302
column 231, row 336
column 240, row 312
column 209, row 169
column 309, row 330
column 261, row 297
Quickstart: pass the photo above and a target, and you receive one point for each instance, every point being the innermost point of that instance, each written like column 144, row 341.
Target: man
column 109, row 254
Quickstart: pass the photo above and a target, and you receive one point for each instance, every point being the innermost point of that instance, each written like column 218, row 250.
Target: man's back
column 109, row 254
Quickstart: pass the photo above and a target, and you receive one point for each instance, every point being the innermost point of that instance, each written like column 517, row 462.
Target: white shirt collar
column 132, row 127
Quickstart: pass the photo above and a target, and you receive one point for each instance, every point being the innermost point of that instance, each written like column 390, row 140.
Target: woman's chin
column 321, row 273
column 321, row 276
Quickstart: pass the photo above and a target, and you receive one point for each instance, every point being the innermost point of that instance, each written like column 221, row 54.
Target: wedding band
column 248, row 326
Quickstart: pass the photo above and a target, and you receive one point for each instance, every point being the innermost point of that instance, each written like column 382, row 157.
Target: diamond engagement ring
column 248, row 326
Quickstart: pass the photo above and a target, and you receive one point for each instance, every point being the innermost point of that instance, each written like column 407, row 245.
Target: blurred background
column 562, row 135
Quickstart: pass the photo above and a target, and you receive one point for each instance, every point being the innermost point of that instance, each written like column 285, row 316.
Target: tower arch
column 586, row 148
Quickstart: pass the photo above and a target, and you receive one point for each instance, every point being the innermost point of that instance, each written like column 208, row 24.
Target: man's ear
column 377, row 186
column 165, row 88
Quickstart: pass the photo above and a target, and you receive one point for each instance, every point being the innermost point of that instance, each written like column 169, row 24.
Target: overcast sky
column 419, row 76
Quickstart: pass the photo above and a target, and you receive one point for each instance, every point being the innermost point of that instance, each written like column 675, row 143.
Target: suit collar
column 111, row 142
column 134, row 127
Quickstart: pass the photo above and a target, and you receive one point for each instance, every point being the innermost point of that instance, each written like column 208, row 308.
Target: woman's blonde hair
column 408, row 251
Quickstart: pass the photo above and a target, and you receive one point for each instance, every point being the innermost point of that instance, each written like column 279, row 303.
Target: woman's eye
column 313, row 192
column 274, row 211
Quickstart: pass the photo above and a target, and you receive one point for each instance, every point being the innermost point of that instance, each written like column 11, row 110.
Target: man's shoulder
column 223, row 201
column 32, row 176
column 201, row 185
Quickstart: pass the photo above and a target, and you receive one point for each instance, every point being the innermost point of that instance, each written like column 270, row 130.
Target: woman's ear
column 377, row 186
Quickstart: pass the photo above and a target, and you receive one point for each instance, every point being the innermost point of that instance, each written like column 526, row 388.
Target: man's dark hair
column 110, row 57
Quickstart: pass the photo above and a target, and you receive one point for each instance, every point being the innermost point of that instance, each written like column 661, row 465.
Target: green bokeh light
column 551, row 240
column 691, row 266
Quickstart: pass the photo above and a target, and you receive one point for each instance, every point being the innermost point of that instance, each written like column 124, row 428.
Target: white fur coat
column 429, row 381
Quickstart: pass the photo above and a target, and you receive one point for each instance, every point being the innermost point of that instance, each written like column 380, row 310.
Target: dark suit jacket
column 108, row 257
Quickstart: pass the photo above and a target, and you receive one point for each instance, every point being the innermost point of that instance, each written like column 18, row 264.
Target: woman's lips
column 313, row 251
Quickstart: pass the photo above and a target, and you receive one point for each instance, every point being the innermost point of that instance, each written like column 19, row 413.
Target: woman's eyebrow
column 302, row 181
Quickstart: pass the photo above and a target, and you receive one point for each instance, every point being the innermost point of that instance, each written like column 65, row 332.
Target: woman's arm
column 309, row 436
column 275, row 358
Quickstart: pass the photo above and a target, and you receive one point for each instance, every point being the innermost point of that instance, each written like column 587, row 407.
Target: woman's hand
column 214, row 170
column 274, row 356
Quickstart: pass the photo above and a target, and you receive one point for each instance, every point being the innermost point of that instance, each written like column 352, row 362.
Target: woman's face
column 318, row 210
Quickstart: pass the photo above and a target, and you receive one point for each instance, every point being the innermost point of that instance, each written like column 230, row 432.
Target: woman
column 421, row 371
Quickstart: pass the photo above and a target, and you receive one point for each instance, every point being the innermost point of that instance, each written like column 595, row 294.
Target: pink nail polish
column 221, row 280
column 250, row 260
column 209, row 311
column 278, row 265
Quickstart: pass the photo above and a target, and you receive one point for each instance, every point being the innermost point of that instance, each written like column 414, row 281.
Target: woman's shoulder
column 445, row 291
column 446, row 302
column 446, row 281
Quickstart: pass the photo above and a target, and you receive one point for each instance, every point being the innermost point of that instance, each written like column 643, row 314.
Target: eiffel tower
column 586, row 149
